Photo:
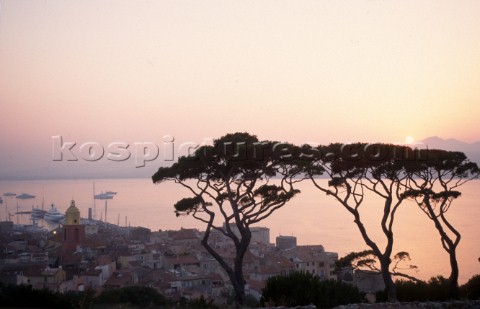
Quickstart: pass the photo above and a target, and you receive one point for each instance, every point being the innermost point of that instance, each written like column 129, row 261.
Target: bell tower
column 73, row 230
column 72, row 215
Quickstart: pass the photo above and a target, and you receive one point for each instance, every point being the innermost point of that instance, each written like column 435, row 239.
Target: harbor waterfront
column 312, row 217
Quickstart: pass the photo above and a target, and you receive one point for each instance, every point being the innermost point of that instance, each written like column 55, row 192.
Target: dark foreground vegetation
column 128, row 298
column 296, row 289
column 435, row 289
column 301, row 289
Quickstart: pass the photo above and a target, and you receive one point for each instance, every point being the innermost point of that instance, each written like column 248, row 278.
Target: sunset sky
column 299, row 71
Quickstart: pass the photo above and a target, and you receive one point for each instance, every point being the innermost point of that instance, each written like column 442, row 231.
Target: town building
column 82, row 254
column 286, row 242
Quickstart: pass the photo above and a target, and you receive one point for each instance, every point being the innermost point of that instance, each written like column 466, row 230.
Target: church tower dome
column 72, row 215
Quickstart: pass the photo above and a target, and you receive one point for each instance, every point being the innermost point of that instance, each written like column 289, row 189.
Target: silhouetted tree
column 434, row 183
column 355, row 169
column 231, row 188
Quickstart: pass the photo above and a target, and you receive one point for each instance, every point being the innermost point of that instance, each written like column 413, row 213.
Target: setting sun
column 409, row 139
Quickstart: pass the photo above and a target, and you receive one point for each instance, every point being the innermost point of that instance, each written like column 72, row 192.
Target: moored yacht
column 53, row 215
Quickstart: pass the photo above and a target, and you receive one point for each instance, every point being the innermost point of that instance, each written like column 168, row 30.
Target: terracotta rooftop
column 256, row 285
column 118, row 280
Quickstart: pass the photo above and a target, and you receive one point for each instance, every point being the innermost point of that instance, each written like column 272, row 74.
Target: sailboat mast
column 94, row 203
column 105, row 214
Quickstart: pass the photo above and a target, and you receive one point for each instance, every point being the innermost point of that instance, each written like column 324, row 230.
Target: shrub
column 199, row 303
column 300, row 289
column 27, row 297
column 471, row 289
column 139, row 296
column 435, row 289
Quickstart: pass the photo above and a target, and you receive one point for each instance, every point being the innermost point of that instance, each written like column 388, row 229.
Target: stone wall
column 473, row 304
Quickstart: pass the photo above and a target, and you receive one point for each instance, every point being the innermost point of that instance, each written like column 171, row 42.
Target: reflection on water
column 311, row 216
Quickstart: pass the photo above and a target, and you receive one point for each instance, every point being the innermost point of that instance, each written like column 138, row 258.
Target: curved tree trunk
column 451, row 249
column 235, row 274
column 384, row 260
column 241, row 249
column 449, row 245
column 453, row 280
column 239, row 287
column 387, row 279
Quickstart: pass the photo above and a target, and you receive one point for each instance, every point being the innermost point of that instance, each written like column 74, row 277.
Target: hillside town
column 83, row 254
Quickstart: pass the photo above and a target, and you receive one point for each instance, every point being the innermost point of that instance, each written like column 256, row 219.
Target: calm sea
column 312, row 217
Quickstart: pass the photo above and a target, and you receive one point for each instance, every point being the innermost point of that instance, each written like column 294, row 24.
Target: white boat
column 53, row 215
